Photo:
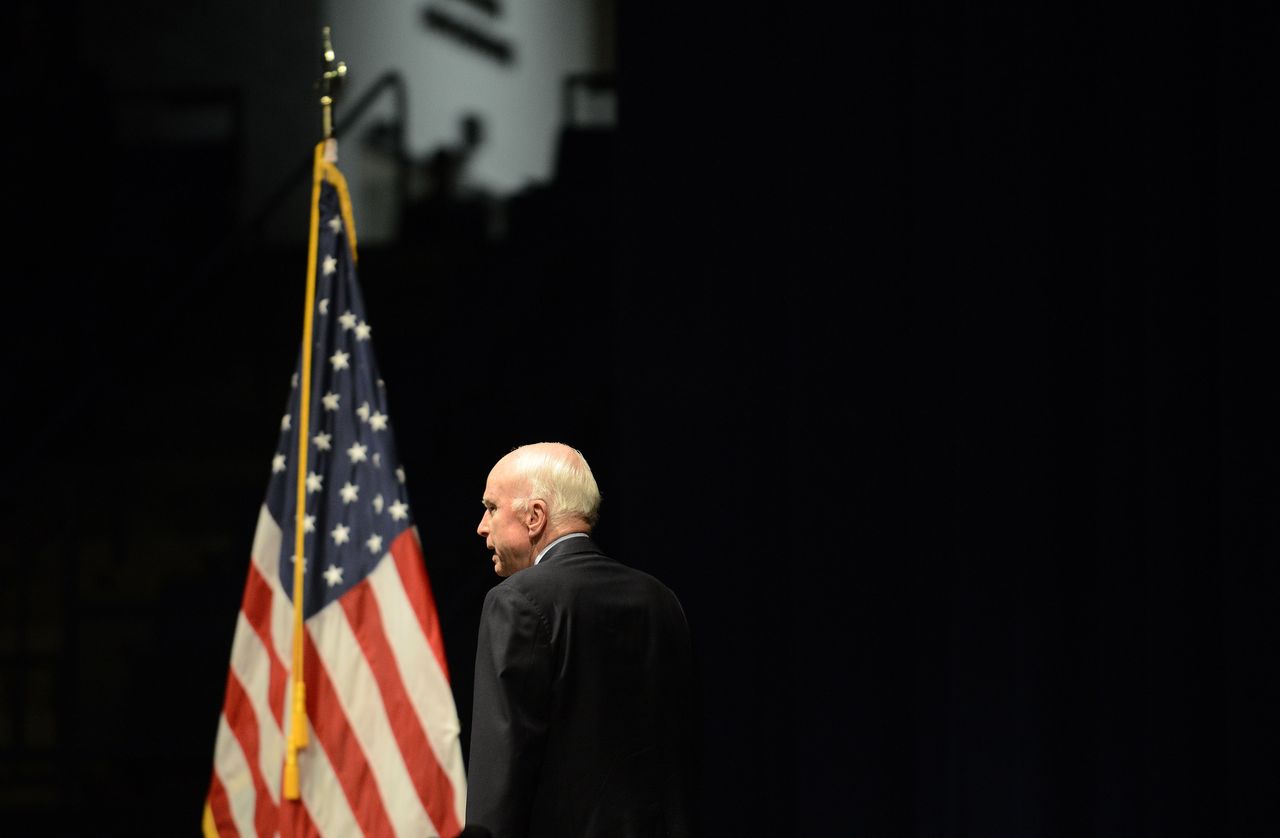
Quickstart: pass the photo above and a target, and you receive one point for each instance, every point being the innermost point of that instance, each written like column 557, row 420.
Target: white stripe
column 357, row 691
column 425, row 682
column 322, row 794
column 252, row 667
column 233, row 772
column 266, row 542
column 266, row 555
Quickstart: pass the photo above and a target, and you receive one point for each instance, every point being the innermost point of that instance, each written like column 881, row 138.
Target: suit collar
column 567, row 545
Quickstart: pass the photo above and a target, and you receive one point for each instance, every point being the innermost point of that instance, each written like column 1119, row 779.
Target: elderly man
column 582, row 723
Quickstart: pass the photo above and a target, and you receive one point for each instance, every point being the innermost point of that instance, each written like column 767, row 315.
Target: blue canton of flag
column 356, row 501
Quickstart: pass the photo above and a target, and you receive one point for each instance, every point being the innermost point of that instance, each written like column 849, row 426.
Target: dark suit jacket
column 582, row 722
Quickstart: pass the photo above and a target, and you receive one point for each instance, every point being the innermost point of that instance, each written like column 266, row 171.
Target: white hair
column 558, row 474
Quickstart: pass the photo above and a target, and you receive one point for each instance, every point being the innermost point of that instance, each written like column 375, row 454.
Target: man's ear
column 537, row 517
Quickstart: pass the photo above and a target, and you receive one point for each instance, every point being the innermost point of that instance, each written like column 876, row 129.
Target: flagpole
column 332, row 73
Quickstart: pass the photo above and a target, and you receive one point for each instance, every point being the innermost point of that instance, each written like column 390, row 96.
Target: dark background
column 928, row 354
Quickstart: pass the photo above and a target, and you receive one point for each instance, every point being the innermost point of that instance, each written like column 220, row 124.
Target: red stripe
column 339, row 742
column 244, row 724
column 257, row 605
column 221, row 809
column 407, row 552
column 295, row 821
column 432, row 783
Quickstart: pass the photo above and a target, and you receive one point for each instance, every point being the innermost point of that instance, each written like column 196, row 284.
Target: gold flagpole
column 332, row 73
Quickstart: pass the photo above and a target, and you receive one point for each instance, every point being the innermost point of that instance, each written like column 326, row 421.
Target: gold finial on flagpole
column 332, row 74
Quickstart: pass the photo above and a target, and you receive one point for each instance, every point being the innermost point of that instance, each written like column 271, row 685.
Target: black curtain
column 975, row 333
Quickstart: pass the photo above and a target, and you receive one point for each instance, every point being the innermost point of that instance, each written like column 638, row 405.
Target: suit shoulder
column 514, row 591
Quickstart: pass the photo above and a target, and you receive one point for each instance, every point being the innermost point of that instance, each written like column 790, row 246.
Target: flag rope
column 323, row 169
column 298, row 726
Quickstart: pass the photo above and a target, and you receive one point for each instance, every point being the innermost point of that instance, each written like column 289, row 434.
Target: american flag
column 384, row 756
